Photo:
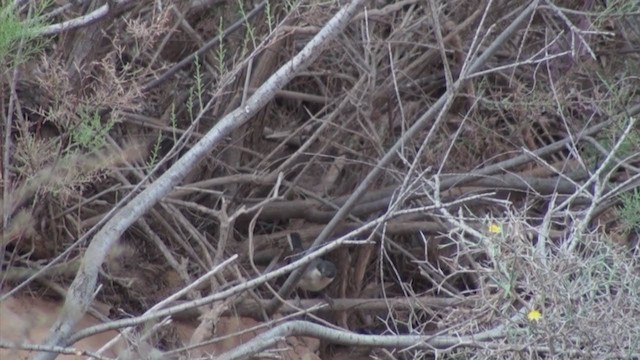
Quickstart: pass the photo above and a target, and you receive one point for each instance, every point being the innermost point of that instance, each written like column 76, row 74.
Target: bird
column 318, row 274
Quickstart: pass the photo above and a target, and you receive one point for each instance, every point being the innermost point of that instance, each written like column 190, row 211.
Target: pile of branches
column 473, row 172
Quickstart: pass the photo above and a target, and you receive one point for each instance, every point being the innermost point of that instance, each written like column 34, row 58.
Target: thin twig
column 412, row 132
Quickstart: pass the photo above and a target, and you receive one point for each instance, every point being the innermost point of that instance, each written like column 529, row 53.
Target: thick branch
column 83, row 287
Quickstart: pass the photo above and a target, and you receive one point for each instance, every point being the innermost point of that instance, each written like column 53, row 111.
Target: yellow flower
column 495, row 229
column 534, row 315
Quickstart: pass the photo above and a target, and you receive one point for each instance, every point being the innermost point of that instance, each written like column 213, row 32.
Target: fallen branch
column 81, row 291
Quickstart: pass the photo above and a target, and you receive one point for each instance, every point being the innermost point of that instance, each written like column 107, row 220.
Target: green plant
column 174, row 122
column 251, row 37
column 198, row 78
column 13, row 30
column 190, row 104
column 221, row 52
column 90, row 132
column 269, row 15
column 155, row 152
column 629, row 212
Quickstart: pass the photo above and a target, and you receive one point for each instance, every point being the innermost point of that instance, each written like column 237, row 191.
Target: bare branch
column 82, row 289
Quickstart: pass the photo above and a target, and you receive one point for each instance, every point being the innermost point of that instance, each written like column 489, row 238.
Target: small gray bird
column 318, row 274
